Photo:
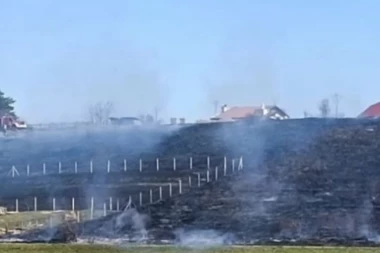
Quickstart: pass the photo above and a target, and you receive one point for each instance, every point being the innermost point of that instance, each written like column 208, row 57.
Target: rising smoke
column 201, row 239
column 271, row 191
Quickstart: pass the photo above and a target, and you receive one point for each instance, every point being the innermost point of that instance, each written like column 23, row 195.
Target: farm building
column 373, row 111
column 242, row 112
column 125, row 121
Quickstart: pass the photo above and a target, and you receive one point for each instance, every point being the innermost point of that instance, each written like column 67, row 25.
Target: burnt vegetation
column 310, row 181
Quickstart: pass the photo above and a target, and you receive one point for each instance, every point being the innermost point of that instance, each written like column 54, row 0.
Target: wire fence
column 28, row 215
column 114, row 165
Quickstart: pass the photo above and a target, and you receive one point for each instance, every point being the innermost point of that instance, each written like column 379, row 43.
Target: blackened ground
column 305, row 181
column 250, row 216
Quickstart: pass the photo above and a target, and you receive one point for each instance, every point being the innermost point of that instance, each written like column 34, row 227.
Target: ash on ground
column 305, row 184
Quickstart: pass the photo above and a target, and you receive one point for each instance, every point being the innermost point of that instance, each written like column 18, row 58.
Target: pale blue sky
column 58, row 57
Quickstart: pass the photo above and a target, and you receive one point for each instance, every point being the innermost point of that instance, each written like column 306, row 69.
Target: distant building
column 242, row 112
column 125, row 121
column 373, row 111
column 173, row 121
column 177, row 121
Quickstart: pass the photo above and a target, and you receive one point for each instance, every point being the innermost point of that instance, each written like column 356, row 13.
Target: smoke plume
column 200, row 239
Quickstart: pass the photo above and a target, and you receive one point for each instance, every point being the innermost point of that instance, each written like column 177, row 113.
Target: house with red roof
column 241, row 112
column 373, row 111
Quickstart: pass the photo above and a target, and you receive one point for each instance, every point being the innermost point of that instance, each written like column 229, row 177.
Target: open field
column 64, row 188
column 305, row 182
column 78, row 146
column 101, row 164
column 43, row 248
column 27, row 220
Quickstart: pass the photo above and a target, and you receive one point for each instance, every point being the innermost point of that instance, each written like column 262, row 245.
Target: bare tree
column 100, row 112
column 324, row 108
column 147, row 119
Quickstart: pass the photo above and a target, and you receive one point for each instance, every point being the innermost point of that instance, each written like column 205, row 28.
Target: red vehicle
column 11, row 123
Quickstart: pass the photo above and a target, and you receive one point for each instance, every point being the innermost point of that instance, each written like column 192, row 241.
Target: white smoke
column 133, row 220
column 200, row 239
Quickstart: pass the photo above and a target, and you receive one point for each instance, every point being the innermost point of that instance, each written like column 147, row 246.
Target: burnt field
column 125, row 163
column 306, row 181
column 56, row 192
column 68, row 149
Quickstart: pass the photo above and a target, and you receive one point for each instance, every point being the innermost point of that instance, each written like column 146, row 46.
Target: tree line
column 325, row 108
column 7, row 105
column 100, row 112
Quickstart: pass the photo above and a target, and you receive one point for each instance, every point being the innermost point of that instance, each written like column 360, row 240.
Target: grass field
column 46, row 248
column 22, row 219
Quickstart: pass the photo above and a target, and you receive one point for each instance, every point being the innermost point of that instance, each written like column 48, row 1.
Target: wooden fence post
column 241, row 163
column 16, row 205
column 54, row 207
column 208, row 162
column 35, row 204
column 111, row 204
column 14, row 171
column 150, row 196
column 160, row 190
column 91, row 166
column 92, row 208
column 225, row 166
column 208, row 176
column 73, row 204
column 180, row 186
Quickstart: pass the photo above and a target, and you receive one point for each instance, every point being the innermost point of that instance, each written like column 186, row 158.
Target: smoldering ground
column 70, row 150
column 268, row 189
column 283, row 195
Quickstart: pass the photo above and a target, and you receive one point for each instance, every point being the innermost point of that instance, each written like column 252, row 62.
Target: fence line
column 81, row 215
column 160, row 163
column 208, row 178
column 71, row 159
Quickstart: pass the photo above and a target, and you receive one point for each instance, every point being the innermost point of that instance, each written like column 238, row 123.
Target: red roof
column 238, row 112
column 371, row 111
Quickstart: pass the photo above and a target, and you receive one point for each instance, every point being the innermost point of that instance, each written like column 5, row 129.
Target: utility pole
column 336, row 99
